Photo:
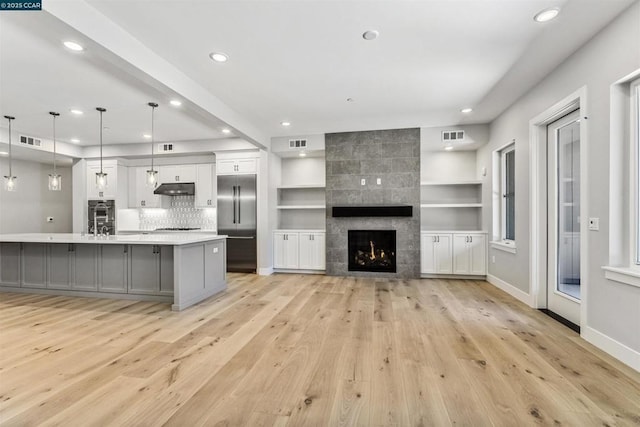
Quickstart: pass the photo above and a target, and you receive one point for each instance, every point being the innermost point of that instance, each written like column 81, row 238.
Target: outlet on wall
column 363, row 181
column 493, row 259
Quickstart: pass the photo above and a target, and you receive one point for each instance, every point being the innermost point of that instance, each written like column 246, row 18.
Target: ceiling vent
column 29, row 140
column 297, row 143
column 452, row 135
column 165, row 148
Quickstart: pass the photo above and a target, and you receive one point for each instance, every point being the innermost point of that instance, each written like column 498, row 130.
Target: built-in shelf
column 451, row 205
column 430, row 183
column 301, row 207
column 294, row 187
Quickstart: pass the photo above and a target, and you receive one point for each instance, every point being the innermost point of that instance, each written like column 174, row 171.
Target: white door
column 311, row 251
column 285, row 250
column 444, row 253
column 477, row 254
column 563, row 222
column 204, row 186
column 427, row 253
column 461, row 254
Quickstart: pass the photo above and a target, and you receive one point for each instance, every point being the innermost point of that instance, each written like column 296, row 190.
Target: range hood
column 176, row 189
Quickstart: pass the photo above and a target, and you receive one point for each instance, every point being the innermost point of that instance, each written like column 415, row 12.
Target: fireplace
column 372, row 250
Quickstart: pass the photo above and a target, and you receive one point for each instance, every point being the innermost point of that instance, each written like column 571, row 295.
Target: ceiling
column 295, row 61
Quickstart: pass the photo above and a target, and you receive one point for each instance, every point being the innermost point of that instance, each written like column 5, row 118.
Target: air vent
column 29, row 140
column 452, row 135
column 297, row 143
column 165, row 148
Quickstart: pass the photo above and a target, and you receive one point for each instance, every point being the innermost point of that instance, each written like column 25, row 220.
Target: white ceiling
column 292, row 60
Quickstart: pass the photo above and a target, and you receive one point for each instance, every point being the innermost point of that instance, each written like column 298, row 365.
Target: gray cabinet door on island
column 60, row 266
column 85, row 267
column 34, row 267
column 10, row 264
column 113, row 268
column 151, row 269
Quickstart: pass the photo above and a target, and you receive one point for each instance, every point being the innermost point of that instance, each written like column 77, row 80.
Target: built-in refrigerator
column 237, row 219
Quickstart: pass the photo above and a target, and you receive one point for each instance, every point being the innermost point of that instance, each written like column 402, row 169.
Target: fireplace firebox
column 372, row 250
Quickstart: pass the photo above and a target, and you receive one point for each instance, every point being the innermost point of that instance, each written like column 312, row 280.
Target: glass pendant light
column 55, row 180
column 101, row 177
column 152, row 174
column 10, row 181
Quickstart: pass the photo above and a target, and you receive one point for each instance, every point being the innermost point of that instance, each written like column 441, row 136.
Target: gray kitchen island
column 183, row 269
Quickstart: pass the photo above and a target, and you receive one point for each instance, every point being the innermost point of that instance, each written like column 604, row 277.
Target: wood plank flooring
column 296, row 350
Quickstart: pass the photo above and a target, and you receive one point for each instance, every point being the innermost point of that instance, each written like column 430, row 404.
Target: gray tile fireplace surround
column 394, row 157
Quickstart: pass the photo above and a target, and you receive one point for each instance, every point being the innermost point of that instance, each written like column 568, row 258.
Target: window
column 503, row 199
column 635, row 122
column 508, row 193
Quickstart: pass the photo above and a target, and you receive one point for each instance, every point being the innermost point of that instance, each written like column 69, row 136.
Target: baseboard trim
column 88, row 294
column 296, row 271
column 265, row 271
column 626, row 355
column 510, row 289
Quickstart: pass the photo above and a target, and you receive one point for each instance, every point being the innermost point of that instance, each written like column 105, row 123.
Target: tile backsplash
column 182, row 213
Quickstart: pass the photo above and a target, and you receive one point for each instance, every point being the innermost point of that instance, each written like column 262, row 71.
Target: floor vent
column 452, row 135
column 29, row 140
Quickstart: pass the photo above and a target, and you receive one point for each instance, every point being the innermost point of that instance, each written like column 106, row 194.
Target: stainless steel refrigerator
column 237, row 219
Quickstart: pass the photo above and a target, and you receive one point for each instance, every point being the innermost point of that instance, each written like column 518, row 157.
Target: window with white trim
column 635, row 185
column 503, row 198
column 508, row 193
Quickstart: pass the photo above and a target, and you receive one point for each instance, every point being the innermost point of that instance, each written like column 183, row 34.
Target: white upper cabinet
column 140, row 195
column 236, row 166
column 110, row 167
column 177, row 173
column 206, row 186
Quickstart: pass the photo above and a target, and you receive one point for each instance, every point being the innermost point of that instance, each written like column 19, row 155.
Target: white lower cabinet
column 436, row 253
column 285, row 250
column 311, row 251
column 454, row 253
column 470, row 254
column 299, row 250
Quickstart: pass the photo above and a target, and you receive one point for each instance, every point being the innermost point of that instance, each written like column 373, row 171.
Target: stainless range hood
column 176, row 189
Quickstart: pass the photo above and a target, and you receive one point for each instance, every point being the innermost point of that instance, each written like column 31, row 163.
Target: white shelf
column 451, row 205
column 449, row 231
column 301, row 207
column 294, row 187
column 430, row 183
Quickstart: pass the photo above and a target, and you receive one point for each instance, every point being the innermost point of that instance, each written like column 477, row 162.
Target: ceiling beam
column 138, row 60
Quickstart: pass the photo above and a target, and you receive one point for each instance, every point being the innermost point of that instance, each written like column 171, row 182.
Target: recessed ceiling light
column 218, row 56
column 302, row 154
column 76, row 112
column 75, row 140
column 466, row 110
column 285, row 123
column 225, row 130
column 448, row 148
column 370, row 35
column 146, row 135
column 3, row 153
column 73, row 46
column 175, row 102
column 350, row 100
column 546, row 15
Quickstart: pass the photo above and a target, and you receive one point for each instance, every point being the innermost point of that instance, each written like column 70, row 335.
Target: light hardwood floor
column 306, row 351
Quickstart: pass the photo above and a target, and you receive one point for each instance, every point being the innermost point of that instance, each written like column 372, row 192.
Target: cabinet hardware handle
column 470, row 239
column 126, row 249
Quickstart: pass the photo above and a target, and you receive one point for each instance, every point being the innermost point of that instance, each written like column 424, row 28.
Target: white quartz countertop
column 175, row 239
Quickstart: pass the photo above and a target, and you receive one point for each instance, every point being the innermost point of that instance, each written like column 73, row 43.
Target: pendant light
column 152, row 174
column 10, row 181
column 55, row 180
column 101, row 177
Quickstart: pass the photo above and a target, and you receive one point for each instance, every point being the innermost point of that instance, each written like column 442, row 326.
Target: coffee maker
column 102, row 217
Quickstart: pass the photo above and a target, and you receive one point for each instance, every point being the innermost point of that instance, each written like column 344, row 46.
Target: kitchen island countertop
column 175, row 239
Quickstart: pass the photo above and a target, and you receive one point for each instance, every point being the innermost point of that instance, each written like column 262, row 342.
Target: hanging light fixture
column 55, row 180
column 10, row 181
column 152, row 174
column 101, row 177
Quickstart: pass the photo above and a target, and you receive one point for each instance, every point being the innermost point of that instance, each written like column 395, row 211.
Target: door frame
column 538, row 199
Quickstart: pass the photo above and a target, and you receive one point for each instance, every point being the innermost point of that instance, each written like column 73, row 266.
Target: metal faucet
column 104, row 230
column 95, row 225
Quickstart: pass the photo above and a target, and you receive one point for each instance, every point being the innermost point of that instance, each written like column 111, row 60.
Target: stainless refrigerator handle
column 239, row 204
column 234, row 204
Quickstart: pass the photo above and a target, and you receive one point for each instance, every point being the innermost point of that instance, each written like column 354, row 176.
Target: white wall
column 26, row 209
column 613, row 309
